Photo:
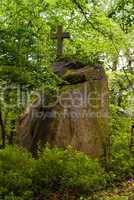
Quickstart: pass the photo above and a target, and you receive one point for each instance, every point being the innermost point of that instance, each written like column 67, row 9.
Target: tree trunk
column 11, row 138
column 3, row 132
column 132, row 140
column 115, row 63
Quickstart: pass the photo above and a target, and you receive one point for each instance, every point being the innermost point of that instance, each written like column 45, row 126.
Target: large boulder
column 76, row 116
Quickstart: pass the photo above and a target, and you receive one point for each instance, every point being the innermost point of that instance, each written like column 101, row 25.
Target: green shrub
column 57, row 171
column 122, row 166
column 67, row 170
column 15, row 172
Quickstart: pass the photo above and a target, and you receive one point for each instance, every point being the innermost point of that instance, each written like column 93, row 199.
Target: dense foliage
column 57, row 171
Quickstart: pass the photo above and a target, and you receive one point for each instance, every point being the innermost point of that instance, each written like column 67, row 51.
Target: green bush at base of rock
column 57, row 171
column 62, row 173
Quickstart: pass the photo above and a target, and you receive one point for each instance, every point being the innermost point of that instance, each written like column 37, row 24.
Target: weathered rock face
column 77, row 115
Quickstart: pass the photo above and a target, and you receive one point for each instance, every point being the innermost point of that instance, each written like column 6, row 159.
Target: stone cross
column 60, row 36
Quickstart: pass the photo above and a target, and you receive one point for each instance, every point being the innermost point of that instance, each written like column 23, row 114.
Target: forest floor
column 125, row 191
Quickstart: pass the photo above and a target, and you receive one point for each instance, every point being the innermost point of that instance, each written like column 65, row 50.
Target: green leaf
column 52, row 2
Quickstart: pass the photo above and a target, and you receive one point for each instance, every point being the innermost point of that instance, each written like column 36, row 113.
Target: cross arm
column 66, row 35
